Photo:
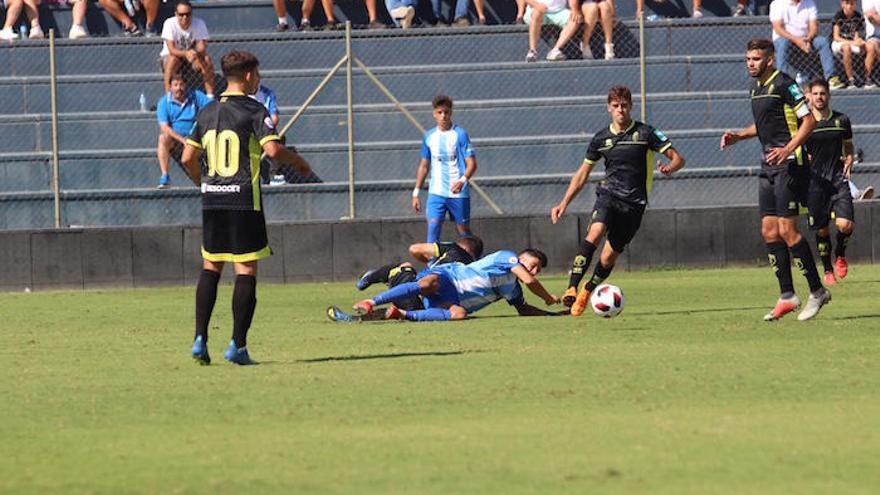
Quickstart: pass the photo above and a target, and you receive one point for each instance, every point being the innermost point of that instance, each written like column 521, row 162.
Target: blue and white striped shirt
column 447, row 151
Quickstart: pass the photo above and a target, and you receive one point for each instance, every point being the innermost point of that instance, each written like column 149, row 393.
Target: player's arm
column 202, row 47
column 424, row 251
column 813, row 30
column 169, row 131
column 835, row 33
column 676, row 161
column 848, row 148
column 574, row 187
column 421, row 174
column 278, row 152
column 469, row 172
column 534, row 284
column 190, row 159
column 777, row 156
column 729, row 138
column 173, row 50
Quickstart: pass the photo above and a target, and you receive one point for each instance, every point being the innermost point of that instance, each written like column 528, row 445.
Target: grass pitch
column 688, row 391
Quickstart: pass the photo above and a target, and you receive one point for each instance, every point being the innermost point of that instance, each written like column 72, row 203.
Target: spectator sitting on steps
column 796, row 24
column 176, row 113
column 186, row 42
column 552, row 12
column 13, row 12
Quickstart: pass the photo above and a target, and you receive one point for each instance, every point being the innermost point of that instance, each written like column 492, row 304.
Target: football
column 607, row 300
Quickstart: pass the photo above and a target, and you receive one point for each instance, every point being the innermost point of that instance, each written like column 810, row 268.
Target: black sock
column 802, row 256
column 380, row 274
column 823, row 245
column 206, row 295
column 244, row 302
column 599, row 275
column 780, row 263
column 581, row 263
column 842, row 242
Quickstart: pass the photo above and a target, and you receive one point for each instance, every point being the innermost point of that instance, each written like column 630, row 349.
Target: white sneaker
column 556, row 54
column 36, row 33
column 815, row 303
column 586, row 53
column 8, row 34
column 609, row 51
column 405, row 15
column 532, row 56
column 277, row 180
column 77, row 32
column 697, row 14
column 867, row 193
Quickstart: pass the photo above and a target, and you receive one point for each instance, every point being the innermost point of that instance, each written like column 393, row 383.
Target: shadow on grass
column 394, row 355
column 696, row 311
column 858, row 317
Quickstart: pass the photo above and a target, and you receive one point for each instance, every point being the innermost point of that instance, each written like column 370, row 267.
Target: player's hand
column 804, row 45
column 777, row 156
column 728, row 139
column 457, row 186
column 416, row 205
column 664, row 168
column 556, row 213
column 847, row 169
column 551, row 300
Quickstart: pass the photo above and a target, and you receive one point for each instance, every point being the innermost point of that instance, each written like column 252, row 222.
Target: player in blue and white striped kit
column 454, row 290
column 447, row 150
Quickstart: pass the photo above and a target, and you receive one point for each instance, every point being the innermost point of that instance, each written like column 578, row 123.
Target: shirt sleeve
column 426, row 150
column 658, row 141
column 813, row 13
column 162, row 111
column 794, row 97
column 465, row 149
column 202, row 99
column 847, row 128
column 200, row 30
column 272, row 103
column 776, row 10
column 264, row 130
column 168, row 30
column 593, row 155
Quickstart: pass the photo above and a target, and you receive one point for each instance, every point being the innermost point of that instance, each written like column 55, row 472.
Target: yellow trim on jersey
column 237, row 258
column 194, row 144
column 436, row 249
column 632, row 123
column 772, row 76
column 792, row 121
column 802, row 103
column 232, row 93
column 255, row 151
column 649, row 164
column 830, row 129
column 270, row 137
column 665, row 147
column 587, row 161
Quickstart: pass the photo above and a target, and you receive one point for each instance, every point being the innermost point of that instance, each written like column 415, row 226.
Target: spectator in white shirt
column 795, row 22
column 566, row 15
column 871, row 11
column 186, row 42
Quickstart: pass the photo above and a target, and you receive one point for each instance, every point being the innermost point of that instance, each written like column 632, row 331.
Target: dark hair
column 472, row 244
column 441, row 101
column 617, row 93
column 537, row 254
column 183, row 2
column 237, row 63
column 818, row 82
column 178, row 75
column 762, row 44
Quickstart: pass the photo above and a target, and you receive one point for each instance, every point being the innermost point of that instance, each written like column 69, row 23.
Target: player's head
column 178, row 86
column 818, row 93
column 848, row 7
column 533, row 260
column 620, row 104
column 760, row 55
column 442, row 105
column 472, row 244
column 184, row 13
column 241, row 67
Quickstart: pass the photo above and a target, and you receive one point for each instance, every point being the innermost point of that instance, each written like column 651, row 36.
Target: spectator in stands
column 309, row 6
column 871, row 9
column 267, row 97
column 552, row 12
column 124, row 13
column 848, row 37
column 795, row 22
column 402, row 12
column 480, row 7
column 176, row 113
column 78, row 26
column 186, row 42
column 13, row 11
column 741, row 9
column 520, row 12
column 460, row 15
column 601, row 11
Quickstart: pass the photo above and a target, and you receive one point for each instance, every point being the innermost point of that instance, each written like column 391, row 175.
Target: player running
column 233, row 132
column 777, row 105
column 453, row 291
column 831, row 155
column 628, row 148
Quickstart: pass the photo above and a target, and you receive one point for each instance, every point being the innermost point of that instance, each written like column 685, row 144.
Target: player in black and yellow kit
column 628, row 147
column 831, row 156
column 233, row 132
column 783, row 123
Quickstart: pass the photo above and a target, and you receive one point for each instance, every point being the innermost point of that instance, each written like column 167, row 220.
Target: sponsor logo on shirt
column 220, row 188
column 660, row 135
column 796, row 92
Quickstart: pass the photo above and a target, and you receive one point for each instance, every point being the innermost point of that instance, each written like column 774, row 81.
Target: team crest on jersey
column 836, row 122
column 513, row 259
column 660, row 135
column 795, row 91
column 608, row 142
column 636, row 136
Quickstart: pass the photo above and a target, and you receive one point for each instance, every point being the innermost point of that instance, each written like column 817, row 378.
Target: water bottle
column 23, row 31
column 652, row 18
column 143, row 102
column 800, row 79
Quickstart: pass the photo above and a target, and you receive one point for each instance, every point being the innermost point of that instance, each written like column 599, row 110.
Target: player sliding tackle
column 628, row 148
column 454, row 290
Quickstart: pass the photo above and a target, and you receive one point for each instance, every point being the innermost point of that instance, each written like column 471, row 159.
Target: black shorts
column 402, row 275
column 829, row 200
column 783, row 190
column 234, row 235
column 622, row 219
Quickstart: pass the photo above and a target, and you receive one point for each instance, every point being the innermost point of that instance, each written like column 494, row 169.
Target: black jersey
column 232, row 133
column 629, row 160
column 826, row 145
column 777, row 106
column 849, row 26
column 450, row 252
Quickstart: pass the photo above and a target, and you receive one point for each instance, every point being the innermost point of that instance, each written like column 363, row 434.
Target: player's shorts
column 234, row 235
column 622, row 219
column 829, row 200
column 558, row 18
column 458, row 209
column 782, row 190
column 403, row 275
column 447, row 295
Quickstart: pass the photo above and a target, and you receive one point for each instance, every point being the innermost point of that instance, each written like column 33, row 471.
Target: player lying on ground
column 628, row 148
column 831, row 155
column 453, row 291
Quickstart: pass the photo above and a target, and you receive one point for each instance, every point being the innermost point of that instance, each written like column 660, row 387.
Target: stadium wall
column 339, row 251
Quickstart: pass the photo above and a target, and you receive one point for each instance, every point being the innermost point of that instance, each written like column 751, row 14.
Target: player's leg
column 454, row 312
column 206, row 296
column 163, row 153
column 844, row 216
column 427, row 285
column 777, row 251
column 581, row 263
column 460, row 211
column 435, row 213
column 244, row 302
column 375, row 276
column 819, row 206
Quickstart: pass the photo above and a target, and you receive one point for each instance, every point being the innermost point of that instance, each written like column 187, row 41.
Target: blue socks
column 432, row 314
column 402, row 291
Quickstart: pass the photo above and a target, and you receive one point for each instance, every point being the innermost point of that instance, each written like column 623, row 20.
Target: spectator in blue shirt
column 176, row 112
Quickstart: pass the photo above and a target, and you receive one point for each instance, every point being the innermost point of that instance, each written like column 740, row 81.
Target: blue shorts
column 446, row 296
column 459, row 209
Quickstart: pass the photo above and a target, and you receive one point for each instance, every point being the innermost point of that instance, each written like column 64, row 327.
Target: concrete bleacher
column 525, row 119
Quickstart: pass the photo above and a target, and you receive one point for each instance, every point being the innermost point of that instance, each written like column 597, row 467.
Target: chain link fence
column 529, row 121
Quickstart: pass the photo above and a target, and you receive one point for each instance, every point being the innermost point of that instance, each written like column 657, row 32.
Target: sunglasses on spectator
column 184, row 14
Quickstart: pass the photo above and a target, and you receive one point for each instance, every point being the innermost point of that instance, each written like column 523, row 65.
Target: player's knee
column 845, row 226
column 770, row 232
column 457, row 313
column 789, row 233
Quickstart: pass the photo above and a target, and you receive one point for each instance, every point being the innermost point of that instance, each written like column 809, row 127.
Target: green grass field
column 688, row 391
